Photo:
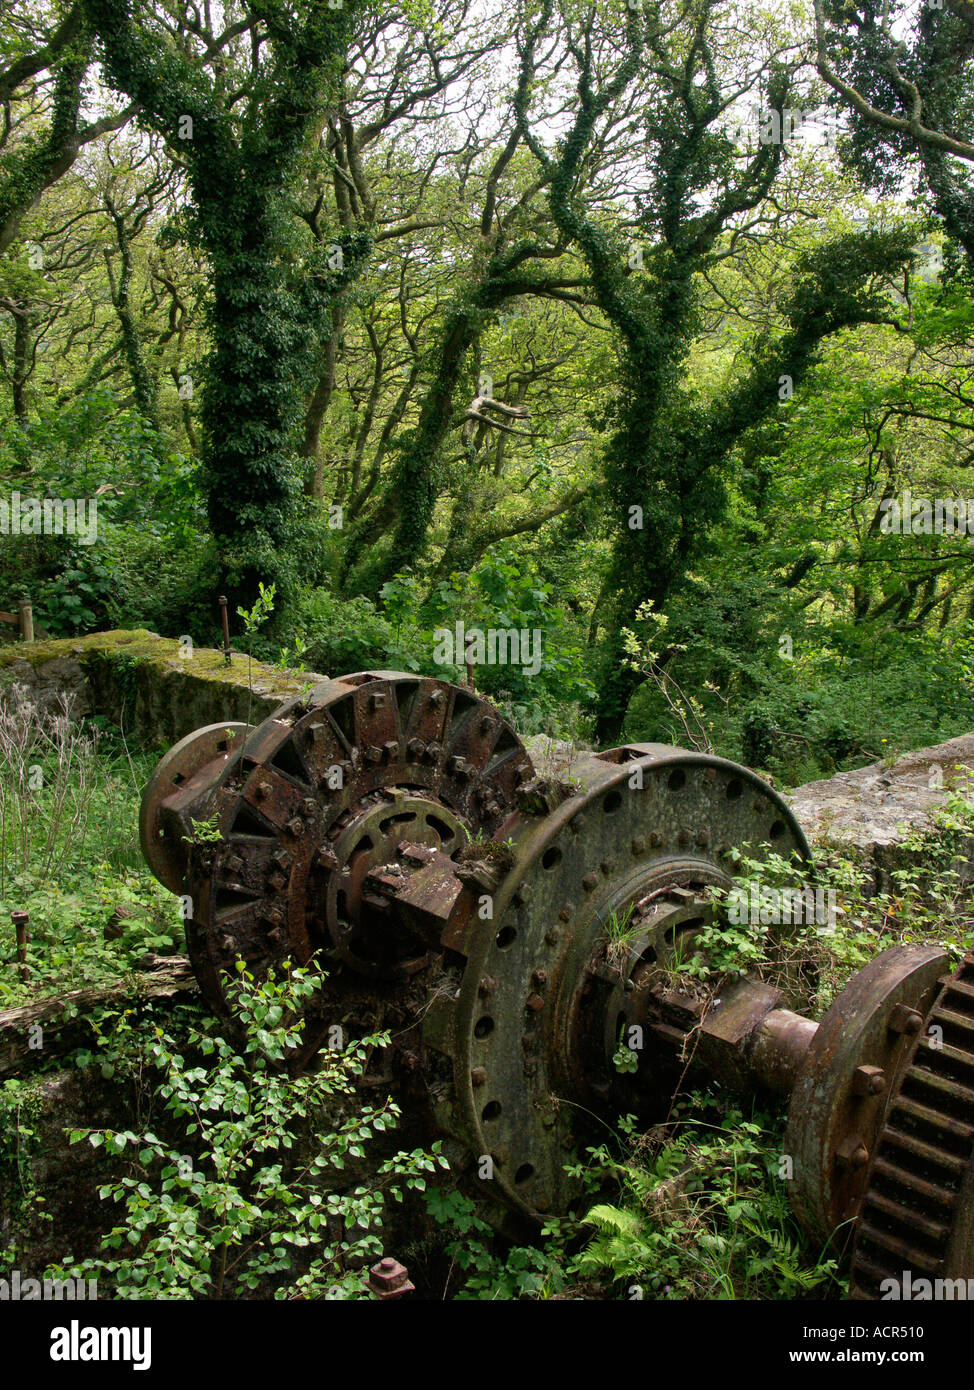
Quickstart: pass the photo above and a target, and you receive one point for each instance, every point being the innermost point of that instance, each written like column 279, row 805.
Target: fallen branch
column 32, row 1033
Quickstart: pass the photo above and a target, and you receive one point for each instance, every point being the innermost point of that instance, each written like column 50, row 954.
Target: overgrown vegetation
column 239, row 1180
column 266, row 297
column 392, row 321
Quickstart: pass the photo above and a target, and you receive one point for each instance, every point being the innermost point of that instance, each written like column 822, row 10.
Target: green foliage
column 500, row 594
column 255, row 1205
column 490, row 1272
column 700, row 1213
column 20, row 1116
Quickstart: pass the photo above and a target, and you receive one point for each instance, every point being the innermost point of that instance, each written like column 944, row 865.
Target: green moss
column 140, row 647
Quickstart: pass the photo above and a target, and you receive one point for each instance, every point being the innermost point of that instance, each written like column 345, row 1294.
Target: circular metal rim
column 823, row 1106
column 331, row 719
column 199, row 749
column 600, row 778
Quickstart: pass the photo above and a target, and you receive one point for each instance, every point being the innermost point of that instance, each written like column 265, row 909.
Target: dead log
column 32, row 1033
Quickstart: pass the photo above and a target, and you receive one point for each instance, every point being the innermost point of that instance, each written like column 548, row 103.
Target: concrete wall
column 151, row 687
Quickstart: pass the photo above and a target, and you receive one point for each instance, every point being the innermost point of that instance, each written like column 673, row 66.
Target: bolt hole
column 506, row 937
column 677, row 780
column 484, row 1027
column 524, row 1173
column 551, row 857
column 777, row 829
column 491, row 1110
column 612, row 802
column 734, row 789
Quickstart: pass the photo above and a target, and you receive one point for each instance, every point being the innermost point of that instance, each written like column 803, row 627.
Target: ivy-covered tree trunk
column 664, row 459
column 267, row 311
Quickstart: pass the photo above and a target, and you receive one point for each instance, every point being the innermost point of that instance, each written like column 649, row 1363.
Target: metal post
column 26, row 619
column 226, row 630
column 21, row 921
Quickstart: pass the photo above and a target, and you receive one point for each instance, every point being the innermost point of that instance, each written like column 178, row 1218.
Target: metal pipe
column 778, row 1047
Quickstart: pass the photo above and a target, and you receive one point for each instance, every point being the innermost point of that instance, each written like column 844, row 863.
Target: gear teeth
column 925, row 1149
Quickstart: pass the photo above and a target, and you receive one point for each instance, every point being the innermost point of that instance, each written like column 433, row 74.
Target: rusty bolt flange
column 903, row 1019
column 389, row 1279
column 868, row 1081
column 852, row 1153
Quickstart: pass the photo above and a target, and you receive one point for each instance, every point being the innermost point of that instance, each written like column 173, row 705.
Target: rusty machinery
column 516, row 930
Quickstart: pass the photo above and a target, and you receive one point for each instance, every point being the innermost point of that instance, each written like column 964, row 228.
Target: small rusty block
column 389, row 1279
column 868, row 1081
column 903, row 1019
column 852, row 1153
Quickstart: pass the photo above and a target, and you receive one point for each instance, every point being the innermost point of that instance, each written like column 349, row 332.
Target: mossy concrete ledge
column 154, row 688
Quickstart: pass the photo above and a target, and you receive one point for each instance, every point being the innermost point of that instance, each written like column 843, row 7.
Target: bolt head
column 905, row 1020
column 868, row 1081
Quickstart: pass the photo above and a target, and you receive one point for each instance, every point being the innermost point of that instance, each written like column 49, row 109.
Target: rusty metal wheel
column 206, row 751
column 316, row 798
column 858, row 1051
column 916, row 1218
column 640, row 838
